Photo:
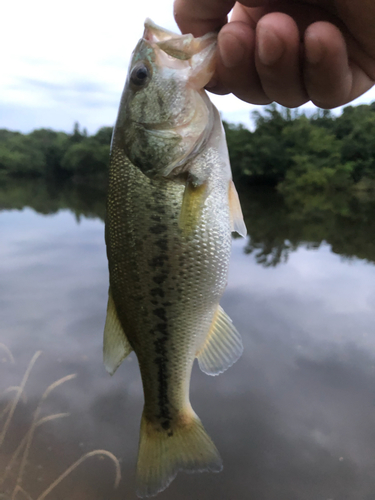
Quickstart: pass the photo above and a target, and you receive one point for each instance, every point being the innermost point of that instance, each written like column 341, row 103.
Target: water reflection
column 50, row 197
column 276, row 225
column 294, row 419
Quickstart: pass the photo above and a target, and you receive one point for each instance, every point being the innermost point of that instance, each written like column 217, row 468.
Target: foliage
column 20, row 155
column 315, row 162
column 57, row 155
column 358, row 143
column 85, row 158
column 322, row 152
column 296, row 153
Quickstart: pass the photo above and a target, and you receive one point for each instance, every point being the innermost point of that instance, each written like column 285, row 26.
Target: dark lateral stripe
column 160, row 313
column 158, row 229
column 160, row 278
column 158, row 261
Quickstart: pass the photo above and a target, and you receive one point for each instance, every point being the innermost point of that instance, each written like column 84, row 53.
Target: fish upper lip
column 165, row 125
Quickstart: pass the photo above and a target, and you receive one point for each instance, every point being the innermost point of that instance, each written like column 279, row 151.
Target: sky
column 63, row 62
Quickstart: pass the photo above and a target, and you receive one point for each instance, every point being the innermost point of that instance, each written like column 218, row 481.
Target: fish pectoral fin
column 238, row 224
column 115, row 343
column 223, row 345
column 192, row 206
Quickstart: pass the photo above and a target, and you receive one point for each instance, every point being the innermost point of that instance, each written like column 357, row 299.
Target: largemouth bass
column 171, row 209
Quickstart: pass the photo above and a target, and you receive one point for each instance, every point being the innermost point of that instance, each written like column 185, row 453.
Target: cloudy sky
column 67, row 61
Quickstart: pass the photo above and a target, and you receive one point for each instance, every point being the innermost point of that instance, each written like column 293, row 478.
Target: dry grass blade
column 51, row 417
column 8, row 352
column 18, row 396
column 56, row 384
column 34, row 423
column 27, row 440
column 12, row 388
column 77, row 463
column 5, row 410
column 15, row 455
column 12, row 460
column 15, row 388
column 21, row 490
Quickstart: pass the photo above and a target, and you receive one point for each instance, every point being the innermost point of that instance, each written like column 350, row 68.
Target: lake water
column 294, row 418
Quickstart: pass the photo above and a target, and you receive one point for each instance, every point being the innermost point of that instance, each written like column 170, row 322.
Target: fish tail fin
column 163, row 452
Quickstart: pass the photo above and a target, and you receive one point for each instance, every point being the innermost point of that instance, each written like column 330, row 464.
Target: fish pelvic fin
column 115, row 343
column 163, row 452
column 223, row 345
column 237, row 222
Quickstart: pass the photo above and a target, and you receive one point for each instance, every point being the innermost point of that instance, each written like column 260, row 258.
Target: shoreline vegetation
column 302, row 181
column 322, row 153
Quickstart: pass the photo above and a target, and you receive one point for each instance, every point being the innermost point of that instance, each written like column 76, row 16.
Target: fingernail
column 270, row 47
column 314, row 50
column 231, row 50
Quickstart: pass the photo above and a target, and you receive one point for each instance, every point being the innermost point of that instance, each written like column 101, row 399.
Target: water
column 294, row 418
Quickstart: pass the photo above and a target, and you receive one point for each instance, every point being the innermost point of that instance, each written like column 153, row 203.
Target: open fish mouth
column 182, row 47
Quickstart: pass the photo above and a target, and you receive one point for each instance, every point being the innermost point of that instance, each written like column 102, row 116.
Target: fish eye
column 140, row 75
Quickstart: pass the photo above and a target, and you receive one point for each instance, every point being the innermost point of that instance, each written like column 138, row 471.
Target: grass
column 20, row 456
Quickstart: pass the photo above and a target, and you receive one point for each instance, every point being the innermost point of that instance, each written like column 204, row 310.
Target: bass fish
column 171, row 208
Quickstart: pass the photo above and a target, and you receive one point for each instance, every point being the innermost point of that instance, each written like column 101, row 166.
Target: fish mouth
column 156, row 126
column 178, row 46
column 154, row 33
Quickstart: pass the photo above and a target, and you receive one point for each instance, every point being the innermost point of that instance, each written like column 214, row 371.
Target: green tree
column 53, row 146
column 357, row 128
column 21, row 155
column 238, row 141
column 85, row 158
column 103, row 136
column 315, row 159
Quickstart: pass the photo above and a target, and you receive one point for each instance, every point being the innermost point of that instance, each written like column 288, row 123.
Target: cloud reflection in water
column 293, row 419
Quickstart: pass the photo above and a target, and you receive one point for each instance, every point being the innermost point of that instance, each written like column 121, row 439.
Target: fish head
column 165, row 116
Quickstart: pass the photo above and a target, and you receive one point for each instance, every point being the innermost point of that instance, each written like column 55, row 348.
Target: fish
column 171, row 209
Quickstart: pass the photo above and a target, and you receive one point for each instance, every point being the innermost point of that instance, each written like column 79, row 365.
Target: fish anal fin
column 192, row 206
column 115, row 343
column 223, row 345
column 164, row 452
column 238, row 224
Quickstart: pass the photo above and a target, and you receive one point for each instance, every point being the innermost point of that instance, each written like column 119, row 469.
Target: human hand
column 288, row 51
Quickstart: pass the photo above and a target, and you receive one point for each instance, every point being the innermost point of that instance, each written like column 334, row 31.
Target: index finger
column 201, row 16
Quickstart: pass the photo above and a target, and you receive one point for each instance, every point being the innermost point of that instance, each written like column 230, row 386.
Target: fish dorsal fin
column 192, row 206
column 238, row 224
column 223, row 345
column 115, row 344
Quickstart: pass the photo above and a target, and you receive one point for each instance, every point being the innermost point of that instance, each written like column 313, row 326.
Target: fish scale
column 186, row 288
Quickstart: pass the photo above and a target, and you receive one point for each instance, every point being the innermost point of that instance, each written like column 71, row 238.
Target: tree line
column 287, row 149
column 55, row 155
